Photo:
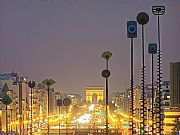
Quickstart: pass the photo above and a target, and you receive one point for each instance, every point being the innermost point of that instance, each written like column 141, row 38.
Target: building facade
column 175, row 84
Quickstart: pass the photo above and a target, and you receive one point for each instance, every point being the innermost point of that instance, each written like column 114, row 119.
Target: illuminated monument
column 94, row 94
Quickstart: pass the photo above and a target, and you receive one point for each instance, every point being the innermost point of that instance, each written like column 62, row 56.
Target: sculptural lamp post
column 142, row 19
column 31, row 84
column 159, row 10
column 131, row 33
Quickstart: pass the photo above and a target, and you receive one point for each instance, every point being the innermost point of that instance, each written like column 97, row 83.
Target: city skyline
column 64, row 40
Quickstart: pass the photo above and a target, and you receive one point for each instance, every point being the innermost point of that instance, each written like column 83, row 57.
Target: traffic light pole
column 132, row 89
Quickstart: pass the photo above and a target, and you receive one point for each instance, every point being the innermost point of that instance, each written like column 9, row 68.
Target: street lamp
column 132, row 33
column 106, row 73
column 159, row 10
column 48, row 83
column 31, row 84
column 142, row 19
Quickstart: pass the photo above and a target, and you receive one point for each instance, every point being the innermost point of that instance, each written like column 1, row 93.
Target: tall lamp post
column 159, row 10
column 142, row 19
column 48, row 83
column 132, row 33
column 152, row 49
column 106, row 73
column 31, row 84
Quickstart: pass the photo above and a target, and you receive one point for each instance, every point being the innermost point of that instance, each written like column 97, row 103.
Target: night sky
column 64, row 40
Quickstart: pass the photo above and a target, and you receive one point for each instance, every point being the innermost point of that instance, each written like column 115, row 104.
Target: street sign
column 59, row 102
column 106, row 73
column 6, row 100
column 66, row 102
column 48, row 82
column 106, row 55
column 131, row 29
column 152, row 48
column 31, row 84
column 142, row 18
column 158, row 10
column 5, row 88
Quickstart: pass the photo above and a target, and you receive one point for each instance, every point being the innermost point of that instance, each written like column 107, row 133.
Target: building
column 75, row 98
column 52, row 101
column 166, row 93
column 94, row 94
column 117, row 99
column 175, row 84
column 43, row 101
column 18, row 92
column 169, row 121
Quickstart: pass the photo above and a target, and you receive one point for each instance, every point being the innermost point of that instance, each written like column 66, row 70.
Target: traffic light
column 131, row 29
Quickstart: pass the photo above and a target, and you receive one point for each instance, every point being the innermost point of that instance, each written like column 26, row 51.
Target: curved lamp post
column 48, row 83
column 31, row 84
column 106, row 73
column 142, row 19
